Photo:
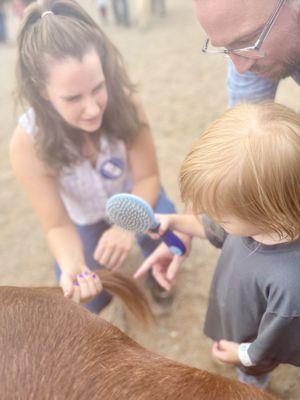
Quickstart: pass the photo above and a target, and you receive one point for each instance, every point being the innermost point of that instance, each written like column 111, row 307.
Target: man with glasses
column 261, row 38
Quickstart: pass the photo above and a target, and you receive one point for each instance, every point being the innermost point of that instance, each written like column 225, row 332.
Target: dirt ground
column 182, row 92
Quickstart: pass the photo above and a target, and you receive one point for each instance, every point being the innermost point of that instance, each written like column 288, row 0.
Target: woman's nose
column 242, row 64
column 91, row 108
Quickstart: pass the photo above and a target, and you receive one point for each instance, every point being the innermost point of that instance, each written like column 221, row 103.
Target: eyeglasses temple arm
column 269, row 25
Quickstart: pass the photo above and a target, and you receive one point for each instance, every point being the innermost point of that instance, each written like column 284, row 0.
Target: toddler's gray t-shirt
column 255, row 296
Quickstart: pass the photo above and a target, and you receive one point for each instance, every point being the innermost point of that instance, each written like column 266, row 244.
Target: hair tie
column 47, row 13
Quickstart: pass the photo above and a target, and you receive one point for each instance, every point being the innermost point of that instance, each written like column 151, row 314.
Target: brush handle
column 176, row 245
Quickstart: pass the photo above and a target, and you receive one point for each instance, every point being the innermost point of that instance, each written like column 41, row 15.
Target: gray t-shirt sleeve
column 278, row 337
column 278, row 340
column 214, row 233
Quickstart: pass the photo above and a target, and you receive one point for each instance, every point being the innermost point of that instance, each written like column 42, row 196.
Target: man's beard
column 288, row 65
column 279, row 71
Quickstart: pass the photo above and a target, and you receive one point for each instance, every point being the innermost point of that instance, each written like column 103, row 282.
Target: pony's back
column 51, row 348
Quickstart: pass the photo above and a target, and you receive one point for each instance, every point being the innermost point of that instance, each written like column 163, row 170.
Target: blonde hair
column 247, row 164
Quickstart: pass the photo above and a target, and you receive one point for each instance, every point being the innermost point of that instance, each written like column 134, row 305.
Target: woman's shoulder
column 20, row 139
column 27, row 122
column 23, row 155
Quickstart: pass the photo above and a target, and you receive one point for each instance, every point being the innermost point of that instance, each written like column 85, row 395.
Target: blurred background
column 182, row 92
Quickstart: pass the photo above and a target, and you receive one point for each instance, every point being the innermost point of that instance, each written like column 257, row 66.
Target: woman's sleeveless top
column 84, row 189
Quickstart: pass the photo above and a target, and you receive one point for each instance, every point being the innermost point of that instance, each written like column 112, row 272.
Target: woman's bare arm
column 142, row 158
column 40, row 185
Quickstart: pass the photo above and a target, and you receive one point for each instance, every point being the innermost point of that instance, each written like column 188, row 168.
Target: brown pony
column 54, row 349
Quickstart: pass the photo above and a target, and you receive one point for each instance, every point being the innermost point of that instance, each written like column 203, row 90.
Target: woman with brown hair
column 83, row 138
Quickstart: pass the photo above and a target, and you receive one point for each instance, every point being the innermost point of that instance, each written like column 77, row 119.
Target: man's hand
column 164, row 264
column 227, row 352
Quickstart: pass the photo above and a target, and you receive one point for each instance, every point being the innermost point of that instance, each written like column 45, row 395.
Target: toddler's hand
column 227, row 352
column 165, row 222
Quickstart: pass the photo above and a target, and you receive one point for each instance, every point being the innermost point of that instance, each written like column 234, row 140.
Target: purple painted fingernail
column 94, row 276
column 86, row 273
column 76, row 284
column 80, row 275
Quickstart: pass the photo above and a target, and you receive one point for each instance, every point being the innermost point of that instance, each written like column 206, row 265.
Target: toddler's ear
column 189, row 208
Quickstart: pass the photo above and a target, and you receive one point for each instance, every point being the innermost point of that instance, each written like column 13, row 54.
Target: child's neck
column 270, row 238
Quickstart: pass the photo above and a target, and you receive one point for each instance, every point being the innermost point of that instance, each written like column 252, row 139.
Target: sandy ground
column 182, row 92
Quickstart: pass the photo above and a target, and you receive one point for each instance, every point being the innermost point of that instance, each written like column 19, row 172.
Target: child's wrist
column 244, row 355
column 175, row 221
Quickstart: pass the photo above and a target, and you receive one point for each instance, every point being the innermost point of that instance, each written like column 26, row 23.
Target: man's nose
column 242, row 64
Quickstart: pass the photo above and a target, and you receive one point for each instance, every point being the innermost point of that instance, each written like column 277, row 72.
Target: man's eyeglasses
column 253, row 52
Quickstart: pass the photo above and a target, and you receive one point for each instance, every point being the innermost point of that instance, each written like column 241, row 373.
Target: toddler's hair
column 247, row 165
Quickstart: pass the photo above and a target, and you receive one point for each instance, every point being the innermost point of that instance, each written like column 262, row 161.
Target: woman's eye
column 100, row 87
column 73, row 99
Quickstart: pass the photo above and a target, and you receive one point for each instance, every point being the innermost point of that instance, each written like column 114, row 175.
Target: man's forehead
column 227, row 21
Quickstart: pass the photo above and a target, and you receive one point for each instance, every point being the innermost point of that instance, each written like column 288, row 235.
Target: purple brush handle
column 176, row 246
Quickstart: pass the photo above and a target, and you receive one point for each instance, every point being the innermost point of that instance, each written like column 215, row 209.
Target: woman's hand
column 165, row 265
column 227, row 352
column 80, row 286
column 113, row 247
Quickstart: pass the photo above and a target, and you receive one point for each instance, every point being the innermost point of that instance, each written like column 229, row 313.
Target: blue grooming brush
column 134, row 214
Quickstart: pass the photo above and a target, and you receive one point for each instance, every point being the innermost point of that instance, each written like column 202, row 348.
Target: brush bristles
column 129, row 215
